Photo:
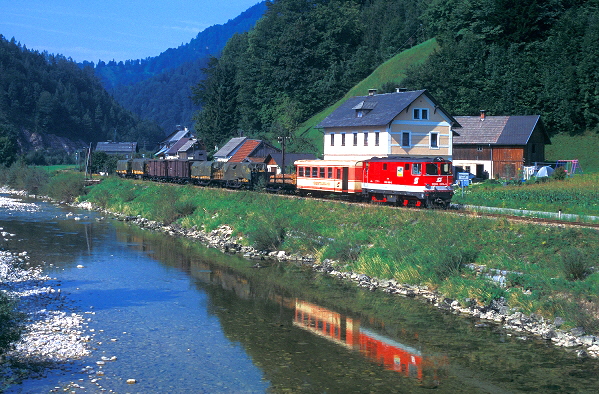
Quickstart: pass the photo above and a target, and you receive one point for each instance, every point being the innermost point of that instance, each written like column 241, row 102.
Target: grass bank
column 578, row 195
column 549, row 270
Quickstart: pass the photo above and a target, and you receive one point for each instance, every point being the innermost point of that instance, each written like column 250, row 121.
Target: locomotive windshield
column 432, row 169
column 446, row 169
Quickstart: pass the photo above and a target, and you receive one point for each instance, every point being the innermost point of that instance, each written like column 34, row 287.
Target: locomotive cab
column 408, row 181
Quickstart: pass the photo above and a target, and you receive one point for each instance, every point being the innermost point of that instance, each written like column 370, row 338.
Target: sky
column 107, row 30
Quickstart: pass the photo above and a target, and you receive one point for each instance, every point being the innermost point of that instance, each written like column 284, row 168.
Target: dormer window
column 420, row 114
column 359, row 113
column 364, row 107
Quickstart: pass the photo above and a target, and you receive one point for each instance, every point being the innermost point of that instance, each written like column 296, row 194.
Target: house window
column 332, row 139
column 365, row 138
column 416, row 168
column 405, row 139
column 420, row 113
column 342, row 139
column 479, row 148
column 434, row 140
column 359, row 113
column 355, row 139
column 376, row 138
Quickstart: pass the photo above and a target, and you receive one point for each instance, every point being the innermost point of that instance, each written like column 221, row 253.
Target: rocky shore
column 518, row 324
column 54, row 332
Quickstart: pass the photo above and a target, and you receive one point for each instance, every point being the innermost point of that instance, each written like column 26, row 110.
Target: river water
column 181, row 318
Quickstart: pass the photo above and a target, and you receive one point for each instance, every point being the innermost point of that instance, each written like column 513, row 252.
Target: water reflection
column 346, row 331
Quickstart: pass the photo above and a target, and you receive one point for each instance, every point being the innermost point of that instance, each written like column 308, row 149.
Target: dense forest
column 504, row 56
column 159, row 88
column 49, row 98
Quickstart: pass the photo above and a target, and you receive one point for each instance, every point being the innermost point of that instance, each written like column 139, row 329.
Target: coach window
column 338, row 173
column 329, row 172
column 322, row 172
column 432, row 169
column 384, row 166
column 416, row 169
column 300, row 171
column 407, row 166
column 314, row 172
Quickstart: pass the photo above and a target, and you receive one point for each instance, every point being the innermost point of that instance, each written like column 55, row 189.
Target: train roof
column 405, row 159
column 328, row 162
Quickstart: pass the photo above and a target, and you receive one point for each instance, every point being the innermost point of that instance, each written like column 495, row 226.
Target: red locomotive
column 400, row 180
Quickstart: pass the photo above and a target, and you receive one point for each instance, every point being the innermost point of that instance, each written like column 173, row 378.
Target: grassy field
column 551, row 268
column 577, row 195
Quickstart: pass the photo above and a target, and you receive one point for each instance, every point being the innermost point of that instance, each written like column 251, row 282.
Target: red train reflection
column 347, row 332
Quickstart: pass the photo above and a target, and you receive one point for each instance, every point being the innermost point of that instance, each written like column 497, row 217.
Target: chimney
column 482, row 114
column 371, row 92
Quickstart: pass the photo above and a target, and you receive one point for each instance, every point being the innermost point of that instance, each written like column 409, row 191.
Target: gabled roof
column 229, row 147
column 116, row 147
column 381, row 109
column 175, row 148
column 245, row 150
column 176, row 136
column 498, row 130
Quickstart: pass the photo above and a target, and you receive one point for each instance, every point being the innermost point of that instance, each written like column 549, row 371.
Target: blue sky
column 112, row 29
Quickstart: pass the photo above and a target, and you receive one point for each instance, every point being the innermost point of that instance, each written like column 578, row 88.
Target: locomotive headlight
column 427, row 186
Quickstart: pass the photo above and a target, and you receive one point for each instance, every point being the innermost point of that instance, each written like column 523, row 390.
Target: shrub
column 576, row 264
column 267, row 235
column 10, row 327
column 559, row 174
column 66, row 186
column 452, row 262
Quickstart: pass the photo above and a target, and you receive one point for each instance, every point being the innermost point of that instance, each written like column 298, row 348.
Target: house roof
column 290, row 158
column 176, row 136
column 229, row 147
column 498, row 130
column 175, row 148
column 246, row 149
column 187, row 145
column 116, row 147
column 380, row 109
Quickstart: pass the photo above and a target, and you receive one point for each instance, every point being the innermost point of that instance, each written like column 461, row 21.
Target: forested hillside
column 159, row 88
column 208, row 42
column 504, row 56
column 47, row 102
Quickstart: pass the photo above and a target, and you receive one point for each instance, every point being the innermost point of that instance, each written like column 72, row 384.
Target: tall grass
column 409, row 245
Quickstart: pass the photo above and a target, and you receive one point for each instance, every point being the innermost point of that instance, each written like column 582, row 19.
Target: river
column 181, row 318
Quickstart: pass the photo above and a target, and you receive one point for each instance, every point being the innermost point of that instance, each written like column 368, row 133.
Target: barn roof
column 116, row 147
column 229, row 147
column 246, row 149
column 498, row 130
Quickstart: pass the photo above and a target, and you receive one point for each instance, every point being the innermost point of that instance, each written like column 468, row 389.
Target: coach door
column 344, row 179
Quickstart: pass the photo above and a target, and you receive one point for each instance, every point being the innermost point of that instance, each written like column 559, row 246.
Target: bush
column 559, row 174
column 576, row 264
column 10, row 323
column 66, row 186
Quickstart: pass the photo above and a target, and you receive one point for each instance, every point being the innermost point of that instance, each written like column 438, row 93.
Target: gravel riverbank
column 54, row 331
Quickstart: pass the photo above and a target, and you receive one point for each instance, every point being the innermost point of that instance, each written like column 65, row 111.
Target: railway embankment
column 533, row 280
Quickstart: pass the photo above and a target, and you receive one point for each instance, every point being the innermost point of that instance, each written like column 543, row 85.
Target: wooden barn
column 498, row 146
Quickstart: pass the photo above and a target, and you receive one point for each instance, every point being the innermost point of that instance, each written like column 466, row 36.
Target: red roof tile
column 245, row 150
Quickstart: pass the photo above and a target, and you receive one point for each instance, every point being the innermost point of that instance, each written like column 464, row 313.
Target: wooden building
column 498, row 146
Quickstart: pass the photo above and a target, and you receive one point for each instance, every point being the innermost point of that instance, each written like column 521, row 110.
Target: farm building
column 498, row 146
column 404, row 123
column 243, row 149
column 125, row 149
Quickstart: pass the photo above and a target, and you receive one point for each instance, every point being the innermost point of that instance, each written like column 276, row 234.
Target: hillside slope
column 386, row 77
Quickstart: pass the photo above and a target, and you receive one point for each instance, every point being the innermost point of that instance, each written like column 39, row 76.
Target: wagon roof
column 330, row 163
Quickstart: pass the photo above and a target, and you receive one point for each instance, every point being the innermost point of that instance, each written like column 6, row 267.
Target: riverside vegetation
column 543, row 270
